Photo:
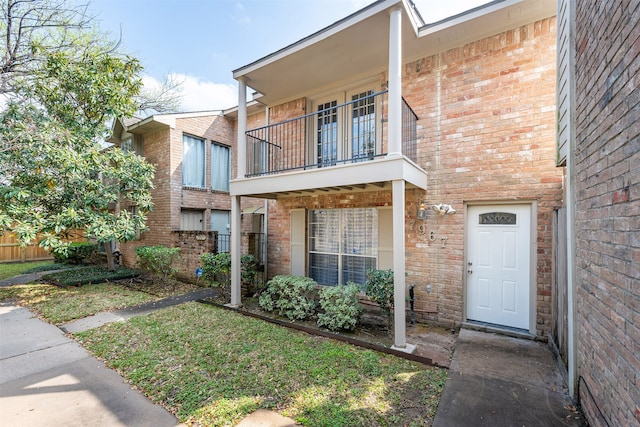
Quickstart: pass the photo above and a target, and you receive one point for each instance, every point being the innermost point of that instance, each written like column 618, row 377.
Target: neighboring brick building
column 601, row 149
column 193, row 155
column 408, row 117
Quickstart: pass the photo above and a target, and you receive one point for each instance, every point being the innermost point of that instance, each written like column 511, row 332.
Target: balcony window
column 193, row 166
column 342, row 245
column 220, row 161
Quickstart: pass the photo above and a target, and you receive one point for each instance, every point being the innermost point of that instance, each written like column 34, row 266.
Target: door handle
column 469, row 271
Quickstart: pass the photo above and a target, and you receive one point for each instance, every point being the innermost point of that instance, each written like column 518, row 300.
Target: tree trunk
column 111, row 265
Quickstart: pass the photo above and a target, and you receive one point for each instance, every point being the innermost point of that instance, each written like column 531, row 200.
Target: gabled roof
column 357, row 46
column 153, row 123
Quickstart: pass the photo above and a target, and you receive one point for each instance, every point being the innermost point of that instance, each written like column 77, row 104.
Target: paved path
column 499, row 381
column 47, row 379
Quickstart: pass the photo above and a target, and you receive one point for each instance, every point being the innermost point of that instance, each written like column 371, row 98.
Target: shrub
column 341, row 306
column 250, row 271
column 379, row 289
column 216, row 269
column 87, row 275
column 292, row 296
column 158, row 260
column 74, row 253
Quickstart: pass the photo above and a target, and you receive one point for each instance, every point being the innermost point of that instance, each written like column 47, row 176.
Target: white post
column 399, row 313
column 236, row 212
column 241, row 149
column 395, row 83
column 236, row 227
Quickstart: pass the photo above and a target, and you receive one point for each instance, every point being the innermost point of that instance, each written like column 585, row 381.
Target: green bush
column 379, row 289
column 86, row 275
column 74, row 253
column 341, row 306
column 158, row 260
column 292, row 296
column 250, row 272
column 216, row 271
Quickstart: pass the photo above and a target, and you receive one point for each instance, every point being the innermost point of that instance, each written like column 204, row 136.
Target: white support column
column 241, row 149
column 399, row 313
column 395, row 83
column 236, row 228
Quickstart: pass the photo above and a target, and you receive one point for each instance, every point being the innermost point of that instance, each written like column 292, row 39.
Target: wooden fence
column 10, row 250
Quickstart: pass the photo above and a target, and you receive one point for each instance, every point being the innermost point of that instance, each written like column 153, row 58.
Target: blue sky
column 200, row 42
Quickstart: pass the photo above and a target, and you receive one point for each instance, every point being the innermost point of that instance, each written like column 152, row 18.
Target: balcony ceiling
column 357, row 46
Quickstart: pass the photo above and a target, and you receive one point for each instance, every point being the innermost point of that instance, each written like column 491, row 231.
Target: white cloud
column 200, row 95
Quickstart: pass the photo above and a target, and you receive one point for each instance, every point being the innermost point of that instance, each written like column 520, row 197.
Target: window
column 343, row 245
column 192, row 161
column 363, row 126
column 127, row 145
column 221, row 223
column 347, row 126
column 220, row 162
column 191, row 220
column 327, row 133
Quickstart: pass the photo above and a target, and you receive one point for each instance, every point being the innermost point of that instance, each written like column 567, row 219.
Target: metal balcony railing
column 355, row 131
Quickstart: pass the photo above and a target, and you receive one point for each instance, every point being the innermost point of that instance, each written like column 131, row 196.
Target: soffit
column 357, row 47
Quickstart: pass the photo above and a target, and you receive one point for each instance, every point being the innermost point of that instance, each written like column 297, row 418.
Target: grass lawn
column 58, row 305
column 212, row 367
column 13, row 269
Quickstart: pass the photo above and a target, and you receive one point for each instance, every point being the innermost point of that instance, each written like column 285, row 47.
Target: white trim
column 317, row 37
column 380, row 170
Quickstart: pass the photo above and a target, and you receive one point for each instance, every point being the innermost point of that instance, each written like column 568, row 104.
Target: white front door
column 498, row 264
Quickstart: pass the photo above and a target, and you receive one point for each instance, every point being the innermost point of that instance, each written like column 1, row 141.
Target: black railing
column 355, row 131
column 252, row 244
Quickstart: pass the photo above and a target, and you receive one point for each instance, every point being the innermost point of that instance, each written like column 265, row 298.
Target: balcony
column 338, row 147
column 352, row 132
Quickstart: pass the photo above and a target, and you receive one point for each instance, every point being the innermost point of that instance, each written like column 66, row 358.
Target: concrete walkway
column 47, row 379
column 496, row 381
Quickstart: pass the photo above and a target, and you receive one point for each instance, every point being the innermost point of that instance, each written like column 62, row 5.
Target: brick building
column 599, row 143
column 193, row 155
column 425, row 148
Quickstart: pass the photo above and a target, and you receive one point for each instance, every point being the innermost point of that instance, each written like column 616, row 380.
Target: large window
column 343, row 245
column 192, row 161
column 220, row 162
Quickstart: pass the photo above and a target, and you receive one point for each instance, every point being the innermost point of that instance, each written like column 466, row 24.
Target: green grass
column 14, row 269
column 213, row 367
column 59, row 305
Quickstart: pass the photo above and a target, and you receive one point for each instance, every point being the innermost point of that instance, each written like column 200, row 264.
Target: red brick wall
column 608, row 210
column 164, row 149
column 486, row 133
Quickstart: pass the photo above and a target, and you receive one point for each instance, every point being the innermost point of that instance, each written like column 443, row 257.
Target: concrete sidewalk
column 496, row 381
column 47, row 379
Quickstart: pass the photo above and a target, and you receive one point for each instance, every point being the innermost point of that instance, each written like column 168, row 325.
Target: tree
column 56, row 175
column 31, row 30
